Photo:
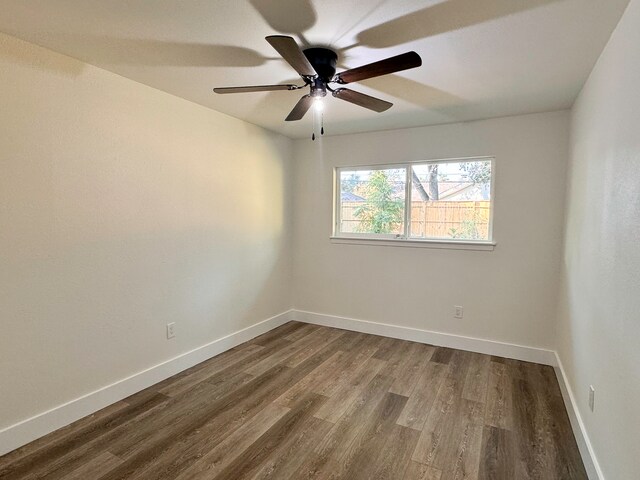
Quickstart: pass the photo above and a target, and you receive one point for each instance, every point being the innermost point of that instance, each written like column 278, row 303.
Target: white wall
column 599, row 329
column 509, row 294
column 123, row 208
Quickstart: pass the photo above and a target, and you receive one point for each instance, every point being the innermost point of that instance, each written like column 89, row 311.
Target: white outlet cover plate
column 171, row 330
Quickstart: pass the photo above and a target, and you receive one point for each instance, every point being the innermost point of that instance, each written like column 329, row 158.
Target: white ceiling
column 481, row 58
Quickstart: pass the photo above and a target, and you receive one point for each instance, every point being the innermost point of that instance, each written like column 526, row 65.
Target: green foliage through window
column 478, row 172
column 381, row 212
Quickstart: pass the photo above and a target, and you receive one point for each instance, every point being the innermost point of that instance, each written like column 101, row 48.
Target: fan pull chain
column 313, row 135
column 322, row 124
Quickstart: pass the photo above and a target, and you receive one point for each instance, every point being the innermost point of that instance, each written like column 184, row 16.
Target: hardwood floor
column 304, row 402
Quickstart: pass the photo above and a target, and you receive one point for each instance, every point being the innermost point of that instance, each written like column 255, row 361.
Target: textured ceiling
column 481, row 58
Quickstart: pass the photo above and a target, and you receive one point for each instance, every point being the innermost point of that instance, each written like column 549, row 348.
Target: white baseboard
column 479, row 345
column 39, row 425
column 579, row 431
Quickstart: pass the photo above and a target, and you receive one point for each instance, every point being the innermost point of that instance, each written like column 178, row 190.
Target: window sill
column 415, row 243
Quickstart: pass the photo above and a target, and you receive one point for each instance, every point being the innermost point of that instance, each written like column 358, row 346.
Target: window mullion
column 407, row 203
column 337, row 207
column 338, row 187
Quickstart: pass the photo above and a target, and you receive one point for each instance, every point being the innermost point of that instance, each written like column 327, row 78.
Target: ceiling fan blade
column 255, row 88
column 290, row 51
column 398, row 63
column 366, row 101
column 303, row 105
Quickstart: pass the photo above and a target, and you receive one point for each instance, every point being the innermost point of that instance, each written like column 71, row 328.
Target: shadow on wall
column 278, row 15
column 436, row 19
column 413, row 92
column 440, row 18
column 22, row 53
column 106, row 50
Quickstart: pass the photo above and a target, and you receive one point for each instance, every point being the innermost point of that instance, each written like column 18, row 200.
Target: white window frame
column 404, row 239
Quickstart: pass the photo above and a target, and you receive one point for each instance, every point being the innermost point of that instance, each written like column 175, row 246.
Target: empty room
column 305, row 239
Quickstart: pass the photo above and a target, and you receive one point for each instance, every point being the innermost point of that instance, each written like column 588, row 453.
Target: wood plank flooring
column 309, row 402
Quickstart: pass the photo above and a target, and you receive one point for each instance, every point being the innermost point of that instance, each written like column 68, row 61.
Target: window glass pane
column 451, row 200
column 372, row 201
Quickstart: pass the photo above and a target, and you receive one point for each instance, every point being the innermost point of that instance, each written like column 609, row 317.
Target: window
column 447, row 201
column 373, row 201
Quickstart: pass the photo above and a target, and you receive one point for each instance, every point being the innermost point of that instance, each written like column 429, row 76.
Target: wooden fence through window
column 436, row 219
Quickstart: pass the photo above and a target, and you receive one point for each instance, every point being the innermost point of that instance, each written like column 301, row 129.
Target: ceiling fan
column 317, row 67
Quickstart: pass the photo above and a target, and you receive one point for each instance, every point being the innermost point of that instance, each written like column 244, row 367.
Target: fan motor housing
column 323, row 61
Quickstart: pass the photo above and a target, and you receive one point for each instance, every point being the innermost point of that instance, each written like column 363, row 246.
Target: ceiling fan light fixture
column 318, row 88
column 317, row 68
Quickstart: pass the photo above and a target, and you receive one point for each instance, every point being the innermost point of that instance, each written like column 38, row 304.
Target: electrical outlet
column 592, row 395
column 171, row 330
column 458, row 311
